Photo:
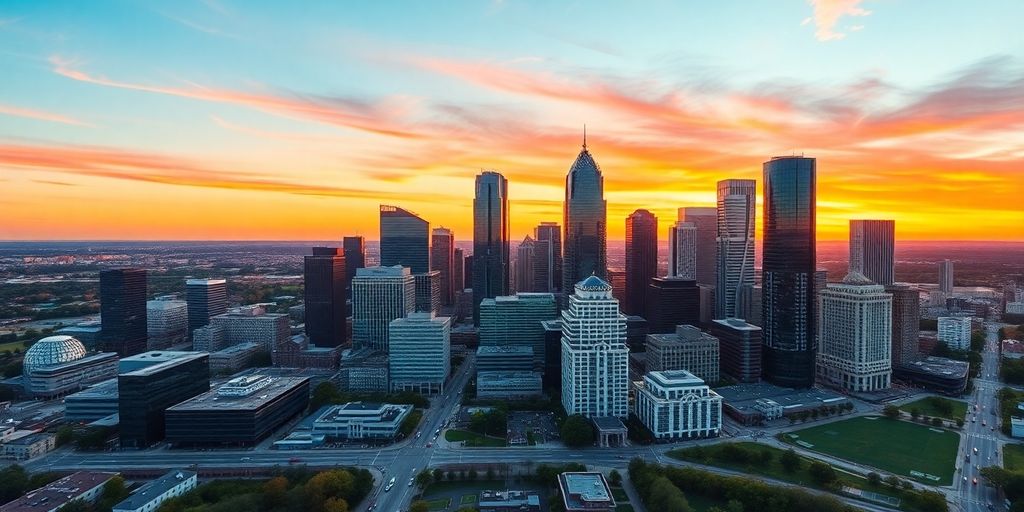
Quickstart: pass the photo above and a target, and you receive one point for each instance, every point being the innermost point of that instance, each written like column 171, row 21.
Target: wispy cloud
column 206, row 29
column 827, row 14
column 39, row 115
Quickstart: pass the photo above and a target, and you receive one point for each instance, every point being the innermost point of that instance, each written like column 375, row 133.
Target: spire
column 584, row 136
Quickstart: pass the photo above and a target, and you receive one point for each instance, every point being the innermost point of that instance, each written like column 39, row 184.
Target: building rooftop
column 58, row 493
column 386, row 412
column 233, row 349
column 585, row 490
column 674, row 378
column 490, row 498
column 154, row 488
column 100, row 390
column 164, row 364
column 393, row 271
column 743, row 396
column 204, row 282
column 29, row 439
column 737, row 324
column 166, row 304
column 214, row 400
column 499, row 376
column 524, row 296
column 486, row 350
column 939, row 366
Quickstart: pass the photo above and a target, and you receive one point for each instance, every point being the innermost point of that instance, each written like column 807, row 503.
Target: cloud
column 827, row 14
column 197, row 26
column 39, row 115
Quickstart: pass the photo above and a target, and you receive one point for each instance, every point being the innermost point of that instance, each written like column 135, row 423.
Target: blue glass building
column 490, row 239
column 404, row 239
column 585, row 218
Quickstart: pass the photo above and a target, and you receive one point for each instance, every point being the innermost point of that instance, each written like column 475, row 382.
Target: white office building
column 420, row 353
column 251, row 324
column 955, row 332
column 736, row 211
column 682, row 250
column 595, row 370
column 151, row 495
column 855, row 335
column 358, row 420
column 380, row 295
column 675, row 404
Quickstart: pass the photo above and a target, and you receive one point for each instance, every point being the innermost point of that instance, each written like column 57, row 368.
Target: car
column 965, row 478
column 412, row 481
column 418, row 434
column 430, row 445
column 974, row 480
column 983, row 423
column 391, row 483
column 975, row 450
column 246, row 458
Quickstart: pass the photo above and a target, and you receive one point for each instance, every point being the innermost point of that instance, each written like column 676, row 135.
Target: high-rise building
column 146, row 393
column 543, row 263
column 166, row 322
column 551, row 232
column 586, row 224
column 855, row 327
column 705, row 219
column 517, row 320
column 906, row 323
column 123, row 310
column 404, row 239
column 442, row 259
column 872, row 246
column 788, row 271
column 206, row 298
column 688, row 348
column 525, row 265
column 735, row 273
column 252, row 324
column 428, row 291
column 739, row 344
column 676, row 404
column 419, row 356
column 458, row 271
column 617, row 280
column 595, row 369
column 946, row 276
column 355, row 257
column 672, row 301
column 380, row 295
column 955, row 331
column 682, row 250
column 490, row 239
column 325, row 297
column 641, row 259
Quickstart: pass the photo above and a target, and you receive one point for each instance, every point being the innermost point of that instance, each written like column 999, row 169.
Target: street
column 981, row 440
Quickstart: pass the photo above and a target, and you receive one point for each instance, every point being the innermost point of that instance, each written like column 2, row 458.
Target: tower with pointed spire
column 584, row 245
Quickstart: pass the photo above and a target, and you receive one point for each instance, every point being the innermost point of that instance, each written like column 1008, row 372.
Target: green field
column 898, row 447
column 20, row 345
column 439, row 504
column 467, row 499
column 927, row 407
column 1013, row 456
column 472, row 439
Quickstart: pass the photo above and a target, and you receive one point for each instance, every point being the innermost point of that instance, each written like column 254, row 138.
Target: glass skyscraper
column 404, row 239
column 206, row 299
column 123, row 310
column 355, row 257
column 586, row 225
column 872, row 249
column 788, row 271
column 490, row 239
column 442, row 258
column 551, row 233
column 324, row 278
column 641, row 259
column 736, row 213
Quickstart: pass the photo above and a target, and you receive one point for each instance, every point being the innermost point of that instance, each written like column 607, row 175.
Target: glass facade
column 355, row 257
column 404, row 239
column 490, row 239
column 788, row 271
column 123, row 310
column 144, row 395
column 585, row 220
column 641, row 259
column 206, row 299
column 324, row 279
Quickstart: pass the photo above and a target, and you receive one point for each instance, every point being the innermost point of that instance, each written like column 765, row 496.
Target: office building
column 298, row 353
column 428, row 291
column 404, row 239
column 735, row 273
column 617, row 280
column 872, row 249
column 166, row 322
column 87, row 332
column 938, row 374
column 946, row 276
column 682, row 251
column 705, row 220
column 123, row 310
column 241, row 412
column 508, row 501
column 144, row 395
column 419, row 354
column 57, row 365
column 359, row 420
column 524, row 267
column 363, row 370
column 739, row 346
column 234, row 358
column 380, row 295
column 442, row 259
column 641, row 259
column 855, row 324
column 458, row 272
column 955, row 332
column 252, row 324
column 83, row 486
column 146, row 359
column 906, row 323
column 354, row 248
column 324, row 277
column 508, row 385
column 584, row 246
column 490, row 239
column 551, row 234
column 516, row 320
column 672, row 301
column 504, row 358
column 28, row 447
column 788, row 272
column 595, row 370
column 92, row 403
column 687, row 349
column 585, row 492
column 553, row 354
column 152, row 494
column 676, row 404
column 206, row 299
column 209, row 338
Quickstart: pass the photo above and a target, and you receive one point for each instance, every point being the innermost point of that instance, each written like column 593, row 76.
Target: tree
column 577, row 431
column 13, row 481
column 822, row 474
column 937, row 422
column 451, row 476
column 790, row 461
column 765, row 457
column 472, row 474
column 65, row 434
column 424, row 479
column 438, row 475
column 615, row 478
column 419, row 506
column 490, row 473
column 325, row 393
column 959, row 423
column 874, row 479
column 275, row 492
column 335, row 505
column 891, row 411
column 663, row 495
column 915, row 413
column 892, row 481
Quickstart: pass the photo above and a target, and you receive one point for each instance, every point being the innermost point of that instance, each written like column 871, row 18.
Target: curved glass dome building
column 58, row 365
column 52, row 351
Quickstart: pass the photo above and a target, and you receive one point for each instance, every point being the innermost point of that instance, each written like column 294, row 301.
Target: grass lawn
column 467, row 499
column 20, row 345
column 624, row 508
column 620, row 495
column 472, row 439
column 1013, row 456
column 702, row 504
column 898, row 447
column 461, row 486
column 439, row 504
column 957, row 408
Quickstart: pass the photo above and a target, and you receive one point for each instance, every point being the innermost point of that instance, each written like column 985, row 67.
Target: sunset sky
column 224, row 119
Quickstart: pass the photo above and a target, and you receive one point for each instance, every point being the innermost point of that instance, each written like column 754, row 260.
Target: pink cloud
column 12, row 110
column 827, row 14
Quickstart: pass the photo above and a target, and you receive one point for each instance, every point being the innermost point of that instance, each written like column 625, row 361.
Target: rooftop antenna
column 584, row 136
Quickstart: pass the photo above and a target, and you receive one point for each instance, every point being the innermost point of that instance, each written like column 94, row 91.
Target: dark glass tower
column 404, row 239
column 788, row 278
column 206, row 298
column 325, row 297
column 641, row 259
column 442, row 258
column 585, row 219
column 872, row 249
column 490, row 239
column 355, row 257
column 123, row 311
column 552, row 233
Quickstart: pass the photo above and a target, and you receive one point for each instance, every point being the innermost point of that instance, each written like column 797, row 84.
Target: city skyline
column 277, row 141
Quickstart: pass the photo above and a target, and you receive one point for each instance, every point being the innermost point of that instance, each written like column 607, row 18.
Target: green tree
column 490, row 474
column 13, row 482
column 915, row 413
column 790, row 461
column 891, row 411
column 424, row 479
column 874, row 479
column 473, row 474
column 577, row 431
column 937, row 422
column 663, row 495
column 615, row 478
column 822, row 473
column 959, row 423
column 114, row 492
column 65, row 434
column 438, row 475
column 325, row 393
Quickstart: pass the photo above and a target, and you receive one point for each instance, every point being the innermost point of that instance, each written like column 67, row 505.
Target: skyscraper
column 325, row 296
column 419, row 357
column 788, row 271
column 872, row 244
column 404, row 239
column 380, row 295
column 705, row 220
column 736, row 213
column 641, row 259
column 355, row 257
column 517, row 320
column 595, row 373
column 123, row 310
column 543, row 265
column 428, row 291
column 946, row 276
column 671, row 301
column 490, row 239
column 906, row 323
column 856, row 335
column 586, row 225
column 552, row 233
column 525, row 265
column 458, row 271
column 206, row 298
column 442, row 259
column 682, row 251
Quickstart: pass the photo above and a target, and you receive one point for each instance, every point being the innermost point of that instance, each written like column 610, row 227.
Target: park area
column 472, row 439
column 937, row 407
column 1013, row 457
column 902, row 448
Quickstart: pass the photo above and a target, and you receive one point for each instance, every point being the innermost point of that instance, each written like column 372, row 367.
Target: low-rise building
column 675, row 404
column 1011, row 349
column 504, row 358
column 58, row 365
column 28, row 447
column 149, row 497
column 90, row 404
column 363, row 370
column 1016, row 427
column 946, row 376
column 233, row 358
column 358, row 420
column 508, row 501
column 585, row 492
column 955, row 332
column 508, row 385
column 85, row 486
column 298, row 353
column 688, row 349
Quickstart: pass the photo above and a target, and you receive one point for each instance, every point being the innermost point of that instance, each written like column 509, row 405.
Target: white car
column 390, row 484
